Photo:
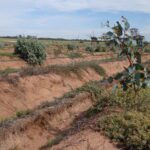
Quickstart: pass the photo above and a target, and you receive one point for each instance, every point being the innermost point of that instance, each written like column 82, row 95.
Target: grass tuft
column 74, row 55
column 53, row 142
column 8, row 71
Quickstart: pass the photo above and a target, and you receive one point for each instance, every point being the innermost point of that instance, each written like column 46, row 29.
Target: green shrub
column 71, row 47
column 132, row 129
column 89, row 49
column 131, row 126
column 124, row 100
column 129, row 101
column 112, row 49
column 100, row 49
column 31, row 50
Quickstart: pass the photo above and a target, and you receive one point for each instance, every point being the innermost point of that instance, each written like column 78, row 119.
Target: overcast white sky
column 70, row 18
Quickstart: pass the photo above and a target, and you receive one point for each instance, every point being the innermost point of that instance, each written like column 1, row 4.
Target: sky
column 70, row 18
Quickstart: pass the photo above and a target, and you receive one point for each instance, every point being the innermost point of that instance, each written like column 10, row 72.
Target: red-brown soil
column 15, row 62
column 30, row 91
column 41, row 126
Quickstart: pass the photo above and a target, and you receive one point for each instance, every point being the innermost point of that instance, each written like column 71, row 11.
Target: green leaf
column 118, row 76
column 139, row 76
column 110, row 79
column 138, row 67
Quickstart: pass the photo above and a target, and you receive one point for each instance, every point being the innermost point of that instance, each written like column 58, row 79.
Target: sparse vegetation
column 37, row 70
column 57, row 52
column 92, row 87
column 100, row 49
column 63, row 69
column 147, row 50
column 74, row 55
column 89, row 49
column 52, row 142
column 130, row 125
column 8, row 71
column 7, row 54
column 123, row 115
column 22, row 113
column 71, row 47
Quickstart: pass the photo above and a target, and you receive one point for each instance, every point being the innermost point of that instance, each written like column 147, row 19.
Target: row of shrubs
column 33, row 51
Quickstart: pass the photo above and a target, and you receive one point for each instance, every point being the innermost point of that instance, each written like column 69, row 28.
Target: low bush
column 131, row 128
column 100, row 49
column 91, row 87
column 124, row 100
column 89, row 49
column 71, row 47
column 7, row 54
column 31, row 50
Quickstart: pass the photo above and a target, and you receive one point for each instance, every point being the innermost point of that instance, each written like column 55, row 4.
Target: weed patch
column 20, row 114
column 8, row 71
column 7, row 54
column 53, row 142
column 63, row 69
column 74, row 55
column 131, row 128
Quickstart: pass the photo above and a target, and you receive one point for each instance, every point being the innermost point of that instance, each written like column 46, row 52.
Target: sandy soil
column 30, row 91
column 34, row 131
column 7, row 62
column 85, row 140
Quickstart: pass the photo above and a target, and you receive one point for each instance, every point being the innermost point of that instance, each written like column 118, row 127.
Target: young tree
column 130, row 44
